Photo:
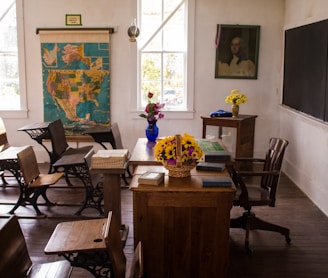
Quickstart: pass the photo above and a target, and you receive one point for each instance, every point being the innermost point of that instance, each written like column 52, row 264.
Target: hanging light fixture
column 133, row 31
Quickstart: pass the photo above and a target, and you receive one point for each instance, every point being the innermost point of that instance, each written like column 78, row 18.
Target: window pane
column 162, row 60
column 173, row 84
column 151, row 79
column 174, row 32
column 9, row 79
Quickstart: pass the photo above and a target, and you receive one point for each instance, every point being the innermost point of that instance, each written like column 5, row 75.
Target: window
column 10, row 81
column 164, row 48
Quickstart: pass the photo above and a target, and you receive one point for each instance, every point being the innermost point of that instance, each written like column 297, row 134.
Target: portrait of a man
column 237, row 51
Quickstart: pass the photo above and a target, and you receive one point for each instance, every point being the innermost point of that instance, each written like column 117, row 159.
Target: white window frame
column 22, row 111
column 188, row 112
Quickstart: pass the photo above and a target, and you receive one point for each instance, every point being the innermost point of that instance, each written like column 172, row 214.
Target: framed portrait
column 237, row 50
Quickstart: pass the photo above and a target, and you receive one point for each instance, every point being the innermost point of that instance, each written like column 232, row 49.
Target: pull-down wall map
column 76, row 75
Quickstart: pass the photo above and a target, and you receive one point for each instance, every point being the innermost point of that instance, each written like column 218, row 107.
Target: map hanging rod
column 111, row 30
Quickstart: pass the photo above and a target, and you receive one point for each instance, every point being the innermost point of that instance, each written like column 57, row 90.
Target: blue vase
column 152, row 131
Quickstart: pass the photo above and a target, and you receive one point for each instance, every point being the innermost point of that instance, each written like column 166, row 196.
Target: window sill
column 13, row 114
column 172, row 115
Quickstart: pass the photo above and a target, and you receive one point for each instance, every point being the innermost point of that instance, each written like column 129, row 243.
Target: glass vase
column 152, row 131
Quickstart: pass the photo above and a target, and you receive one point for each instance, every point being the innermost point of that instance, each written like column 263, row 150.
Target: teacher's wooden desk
column 183, row 227
column 245, row 125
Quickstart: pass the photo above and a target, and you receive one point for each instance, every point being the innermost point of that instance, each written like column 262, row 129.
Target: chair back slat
column 58, row 139
column 15, row 260
column 28, row 164
column 88, row 158
column 136, row 269
column 273, row 162
column 94, row 179
column 115, row 247
column 117, row 136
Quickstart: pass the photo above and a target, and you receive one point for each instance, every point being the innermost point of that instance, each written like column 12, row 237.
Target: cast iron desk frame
column 40, row 132
column 101, row 135
column 75, row 165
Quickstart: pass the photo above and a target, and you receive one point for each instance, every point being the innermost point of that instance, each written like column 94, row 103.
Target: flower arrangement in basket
column 179, row 154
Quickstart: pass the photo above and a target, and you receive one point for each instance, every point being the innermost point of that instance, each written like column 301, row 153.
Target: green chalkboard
column 305, row 69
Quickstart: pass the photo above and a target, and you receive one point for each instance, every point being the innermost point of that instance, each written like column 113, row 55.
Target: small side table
column 245, row 125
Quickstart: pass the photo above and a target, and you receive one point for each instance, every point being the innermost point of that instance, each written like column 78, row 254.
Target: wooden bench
column 15, row 260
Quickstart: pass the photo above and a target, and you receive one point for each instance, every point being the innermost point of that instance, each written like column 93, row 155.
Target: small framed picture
column 237, row 50
column 73, row 19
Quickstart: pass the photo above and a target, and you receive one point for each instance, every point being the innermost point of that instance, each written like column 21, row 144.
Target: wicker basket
column 179, row 170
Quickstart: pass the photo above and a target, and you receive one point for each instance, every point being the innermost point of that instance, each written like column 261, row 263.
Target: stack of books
column 105, row 159
column 213, row 151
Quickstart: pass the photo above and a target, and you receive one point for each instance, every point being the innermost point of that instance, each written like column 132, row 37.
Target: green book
column 214, row 151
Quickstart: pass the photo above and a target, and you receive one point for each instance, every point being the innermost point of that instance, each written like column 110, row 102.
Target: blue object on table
column 220, row 113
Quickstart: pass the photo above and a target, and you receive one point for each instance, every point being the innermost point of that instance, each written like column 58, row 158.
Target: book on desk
column 213, row 151
column 151, row 178
column 216, row 182
column 210, row 166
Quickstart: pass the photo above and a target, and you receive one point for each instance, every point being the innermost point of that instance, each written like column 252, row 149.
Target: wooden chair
column 15, row 260
column 116, row 254
column 262, row 193
column 33, row 184
column 118, row 145
column 59, row 143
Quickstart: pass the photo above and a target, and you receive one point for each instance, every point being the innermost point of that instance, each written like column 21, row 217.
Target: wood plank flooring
column 307, row 256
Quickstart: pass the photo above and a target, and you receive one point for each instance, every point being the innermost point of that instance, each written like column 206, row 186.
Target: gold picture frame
column 73, row 20
column 237, row 51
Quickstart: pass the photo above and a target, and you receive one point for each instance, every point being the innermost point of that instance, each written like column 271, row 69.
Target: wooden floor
column 307, row 256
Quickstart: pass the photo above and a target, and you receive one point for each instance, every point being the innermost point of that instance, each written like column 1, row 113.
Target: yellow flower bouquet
column 236, row 97
column 179, row 154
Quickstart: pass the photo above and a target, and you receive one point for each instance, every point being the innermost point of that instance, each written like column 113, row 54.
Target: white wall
column 264, row 93
column 306, row 160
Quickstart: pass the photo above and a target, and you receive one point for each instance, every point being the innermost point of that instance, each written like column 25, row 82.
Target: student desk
column 245, row 125
column 40, row 133
column 82, row 244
